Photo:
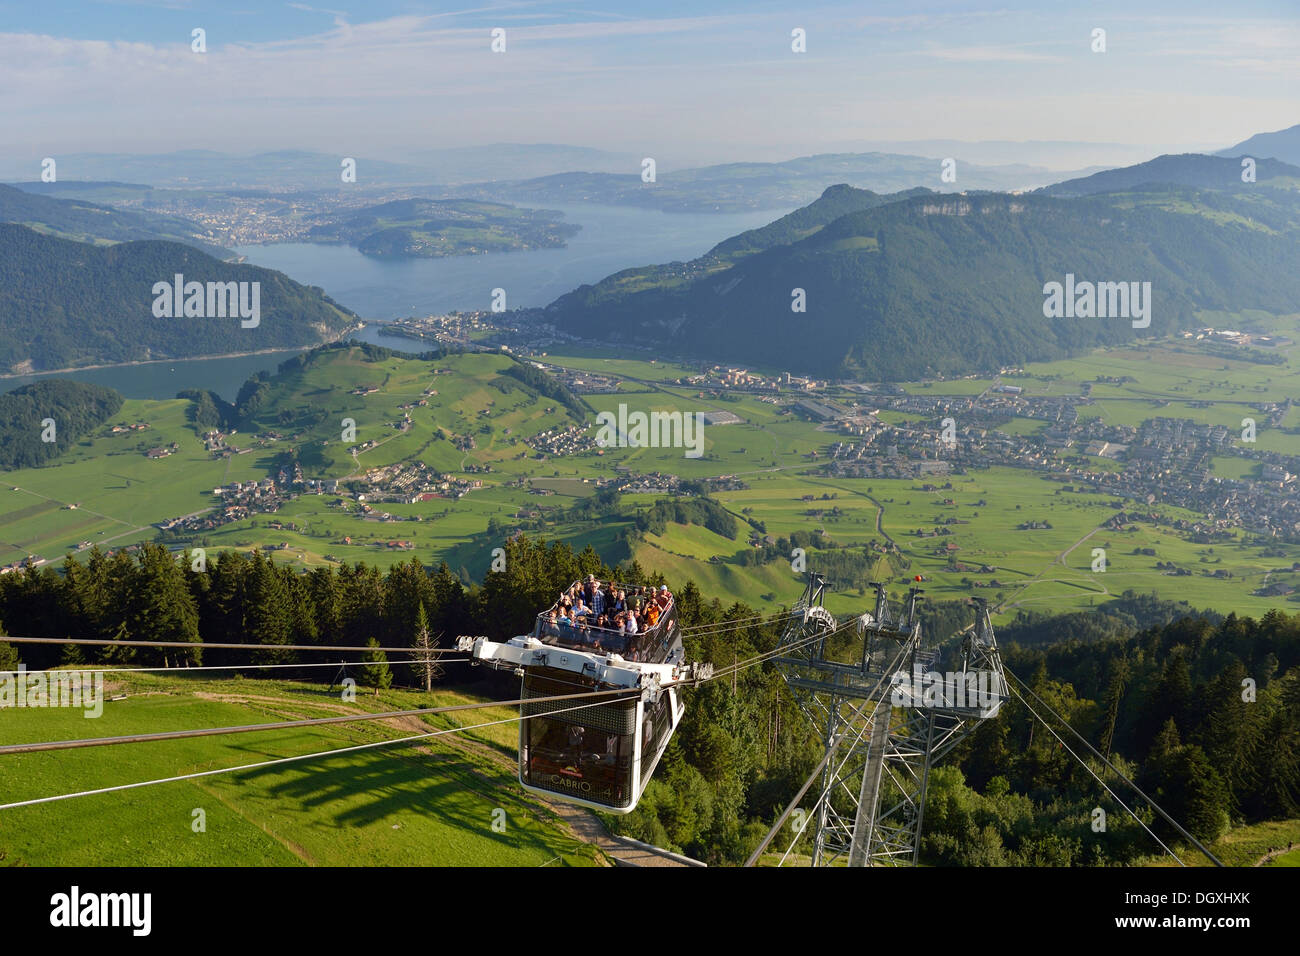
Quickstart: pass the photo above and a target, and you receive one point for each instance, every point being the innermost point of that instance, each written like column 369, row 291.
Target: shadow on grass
column 359, row 790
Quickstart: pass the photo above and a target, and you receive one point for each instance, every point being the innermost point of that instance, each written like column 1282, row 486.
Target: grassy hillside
column 431, row 228
column 121, row 495
column 427, row 804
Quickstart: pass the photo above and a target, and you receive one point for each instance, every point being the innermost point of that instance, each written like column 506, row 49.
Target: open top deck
column 657, row 644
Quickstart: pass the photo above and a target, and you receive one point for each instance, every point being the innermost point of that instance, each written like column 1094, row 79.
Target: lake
column 612, row 238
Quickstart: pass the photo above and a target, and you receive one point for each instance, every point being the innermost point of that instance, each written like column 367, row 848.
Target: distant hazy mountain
column 198, row 168
column 1188, row 169
column 952, row 284
column 1283, row 145
column 65, row 304
column 1073, row 157
column 509, row 161
column 89, row 222
column 283, row 170
column 735, row 187
column 89, row 190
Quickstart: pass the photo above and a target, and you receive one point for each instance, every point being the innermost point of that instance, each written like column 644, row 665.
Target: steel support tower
column 885, row 718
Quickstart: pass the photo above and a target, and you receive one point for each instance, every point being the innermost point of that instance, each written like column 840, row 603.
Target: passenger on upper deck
column 664, row 598
column 566, row 625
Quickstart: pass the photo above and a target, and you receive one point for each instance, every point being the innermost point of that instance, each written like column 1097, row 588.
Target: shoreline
column 187, row 358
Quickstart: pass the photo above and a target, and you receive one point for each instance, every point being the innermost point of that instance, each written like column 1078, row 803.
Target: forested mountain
column 65, row 304
column 1188, row 169
column 89, row 222
column 1166, row 704
column 25, row 413
column 954, row 284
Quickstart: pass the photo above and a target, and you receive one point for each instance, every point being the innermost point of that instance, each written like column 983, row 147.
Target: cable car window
column 579, row 761
column 584, row 753
column 657, row 725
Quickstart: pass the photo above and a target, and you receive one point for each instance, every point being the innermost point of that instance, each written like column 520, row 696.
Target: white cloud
column 424, row 81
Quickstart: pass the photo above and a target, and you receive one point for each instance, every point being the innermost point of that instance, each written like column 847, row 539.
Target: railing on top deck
column 651, row 645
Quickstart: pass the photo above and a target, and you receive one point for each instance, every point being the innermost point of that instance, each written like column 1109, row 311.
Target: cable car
column 598, row 754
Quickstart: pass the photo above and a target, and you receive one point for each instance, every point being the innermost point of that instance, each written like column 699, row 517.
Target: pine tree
column 270, row 613
column 72, row 656
column 426, row 663
column 1231, row 732
column 375, row 671
column 1116, row 684
column 1198, row 797
column 120, row 655
column 161, row 607
column 1166, row 742
column 9, row 659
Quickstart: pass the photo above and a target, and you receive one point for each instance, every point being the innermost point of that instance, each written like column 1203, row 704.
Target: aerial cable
column 766, row 655
column 1155, row 806
column 200, row 645
column 294, row 724
column 315, row 721
column 266, row 763
column 830, row 752
column 736, row 623
column 1097, row 778
column 110, row 669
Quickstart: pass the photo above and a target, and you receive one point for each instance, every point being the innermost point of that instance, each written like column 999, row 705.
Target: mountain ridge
column 952, row 284
column 66, row 304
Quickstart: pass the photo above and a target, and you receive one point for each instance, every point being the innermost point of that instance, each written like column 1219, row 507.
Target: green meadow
column 477, row 423
column 426, row 803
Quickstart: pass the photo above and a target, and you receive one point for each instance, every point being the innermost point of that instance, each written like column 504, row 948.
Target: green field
column 429, row 803
column 120, row 494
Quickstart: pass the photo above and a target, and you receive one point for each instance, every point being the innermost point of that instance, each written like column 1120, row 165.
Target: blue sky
column 704, row 81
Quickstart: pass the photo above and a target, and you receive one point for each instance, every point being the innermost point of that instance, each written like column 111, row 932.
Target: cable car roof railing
column 650, row 644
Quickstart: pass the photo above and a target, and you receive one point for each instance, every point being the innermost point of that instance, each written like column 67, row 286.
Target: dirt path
column 1273, row 855
column 1008, row 603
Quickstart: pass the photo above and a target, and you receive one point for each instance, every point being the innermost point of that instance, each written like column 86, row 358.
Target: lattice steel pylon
column 885, row 716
